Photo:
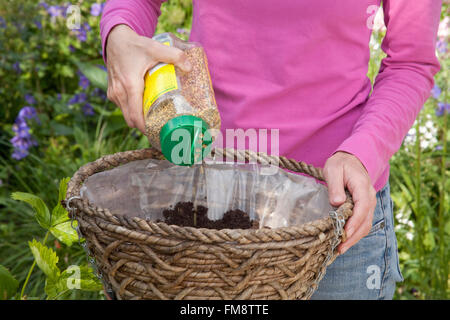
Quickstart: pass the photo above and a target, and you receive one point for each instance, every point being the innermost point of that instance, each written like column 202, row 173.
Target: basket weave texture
column 140, row 259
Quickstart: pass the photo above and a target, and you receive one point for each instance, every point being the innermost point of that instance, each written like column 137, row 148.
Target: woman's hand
column 345, row 170
column 129, row 56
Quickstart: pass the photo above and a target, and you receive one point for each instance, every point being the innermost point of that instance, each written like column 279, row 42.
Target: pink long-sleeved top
column 300, row 66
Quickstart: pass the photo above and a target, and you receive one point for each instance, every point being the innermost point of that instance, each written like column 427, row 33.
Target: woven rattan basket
column 139, row 259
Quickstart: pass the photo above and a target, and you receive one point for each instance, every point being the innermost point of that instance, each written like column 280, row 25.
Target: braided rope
column 142, row 259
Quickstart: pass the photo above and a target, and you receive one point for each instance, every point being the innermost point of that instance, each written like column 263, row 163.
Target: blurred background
column 54, row 117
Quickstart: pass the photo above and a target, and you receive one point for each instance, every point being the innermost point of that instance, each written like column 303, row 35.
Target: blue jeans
column 369, row 269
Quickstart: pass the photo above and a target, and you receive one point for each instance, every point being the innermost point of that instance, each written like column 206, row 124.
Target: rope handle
column 110, row 161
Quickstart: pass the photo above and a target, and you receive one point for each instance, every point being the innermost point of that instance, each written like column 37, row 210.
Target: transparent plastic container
column 180, row 107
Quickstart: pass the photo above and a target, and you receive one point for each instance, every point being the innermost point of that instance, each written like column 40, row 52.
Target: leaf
column 61, row 224
column 73, row 278
column 42, row 212
column 8, row 284
column 65, row 233
column 59, row 213
column 447, row 227
column 46, row 259
column 96, row 76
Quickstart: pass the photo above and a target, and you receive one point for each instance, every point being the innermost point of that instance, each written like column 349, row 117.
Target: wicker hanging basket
column 139, row 259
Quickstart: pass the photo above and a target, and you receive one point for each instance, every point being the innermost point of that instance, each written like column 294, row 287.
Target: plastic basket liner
column 272, row 196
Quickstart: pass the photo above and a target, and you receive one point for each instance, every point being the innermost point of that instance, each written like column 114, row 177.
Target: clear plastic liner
column 145, row 188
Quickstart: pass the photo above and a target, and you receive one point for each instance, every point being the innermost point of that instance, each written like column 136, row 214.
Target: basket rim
column 111, row 161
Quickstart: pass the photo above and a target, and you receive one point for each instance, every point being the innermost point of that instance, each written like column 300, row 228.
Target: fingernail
column 338, row 199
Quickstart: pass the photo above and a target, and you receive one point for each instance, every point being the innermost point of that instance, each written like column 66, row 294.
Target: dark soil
column 183, row 214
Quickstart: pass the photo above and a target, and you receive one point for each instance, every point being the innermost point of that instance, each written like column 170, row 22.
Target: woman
column 300, row 66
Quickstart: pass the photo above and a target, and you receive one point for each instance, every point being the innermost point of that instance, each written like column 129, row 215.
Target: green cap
column 185, row 140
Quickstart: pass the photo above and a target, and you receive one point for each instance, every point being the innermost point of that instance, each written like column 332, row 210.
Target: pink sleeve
column 402, row 86
column 139, row 15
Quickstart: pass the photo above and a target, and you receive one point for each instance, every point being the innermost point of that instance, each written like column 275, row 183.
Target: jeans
column 368, row 270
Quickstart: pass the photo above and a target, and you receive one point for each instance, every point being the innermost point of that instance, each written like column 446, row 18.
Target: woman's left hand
column 342, row 170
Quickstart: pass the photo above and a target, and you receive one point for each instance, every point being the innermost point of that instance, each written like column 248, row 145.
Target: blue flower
column 19, row 154
column 22, row 139
column 81, row 33
column 55, row 11
column 183, row 31
column 28, row 112
column 99, row 93
column 38, row 24
column 441, row 46
column 16, row 67
column 2, row 23
column 436, row 91
column 30, row 99
column 102, row 67
column 96, row 9
column 44, row 5
column 442, row 108
column 78, row 98
column 88, row 110
column 83, row 82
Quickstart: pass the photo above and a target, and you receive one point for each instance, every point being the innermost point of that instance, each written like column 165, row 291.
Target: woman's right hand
column 129, row 56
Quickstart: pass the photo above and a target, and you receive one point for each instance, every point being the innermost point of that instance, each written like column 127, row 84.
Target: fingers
column 334, row 175
column 360, row 223
column 134, row 93
column 127, row 95
column 163, row 53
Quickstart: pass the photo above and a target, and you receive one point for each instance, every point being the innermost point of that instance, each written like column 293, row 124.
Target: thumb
column 163, row 53
column 335, row 181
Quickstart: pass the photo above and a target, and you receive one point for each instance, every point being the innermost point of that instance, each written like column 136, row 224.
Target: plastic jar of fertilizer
column 180, row 107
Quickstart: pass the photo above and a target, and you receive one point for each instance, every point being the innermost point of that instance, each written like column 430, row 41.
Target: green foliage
column 8, row 284
column 58, row 222
column 42, row 213
column 58, row 283
column 45, row 258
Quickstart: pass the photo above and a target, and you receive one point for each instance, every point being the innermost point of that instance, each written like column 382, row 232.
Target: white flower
column 378, row 23
column 443, row 28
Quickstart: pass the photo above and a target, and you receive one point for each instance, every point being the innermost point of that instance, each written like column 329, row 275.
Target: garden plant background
column 54, row 117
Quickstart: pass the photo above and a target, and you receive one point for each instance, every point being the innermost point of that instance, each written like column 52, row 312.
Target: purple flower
column 102, row 67
column 16, row 67
column 58, row 96
column 78, row 98
column 96, row 9
column 2, row 23
column 27, row 112
column 88, row 110
column 19, row 154
column 55, row 11
column 22, row 139
column 30, row 99
column 82, row 32
column 438, row 148
column 436, row 91
column 20, row 128
column 83, row 82
column 441, row 46
column 44, row 5
column 71, row 48
column 442, row 108
column 99, row 93
column 38, row 24
column 183, row 31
